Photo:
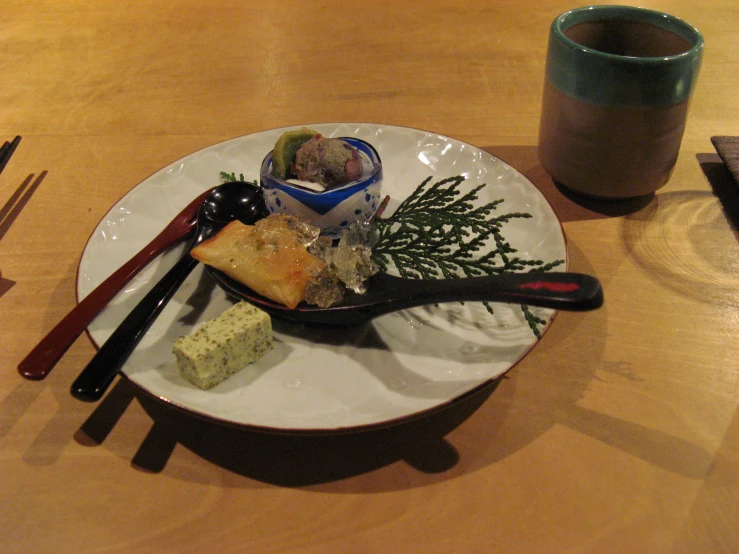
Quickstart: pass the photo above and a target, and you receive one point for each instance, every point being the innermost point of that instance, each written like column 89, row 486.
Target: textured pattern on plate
column 317, row 379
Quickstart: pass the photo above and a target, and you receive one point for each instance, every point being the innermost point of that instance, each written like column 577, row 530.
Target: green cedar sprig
column 438, row 232
column 231, row 177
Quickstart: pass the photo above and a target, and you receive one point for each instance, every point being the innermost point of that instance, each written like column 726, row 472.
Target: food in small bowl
column 331, row 182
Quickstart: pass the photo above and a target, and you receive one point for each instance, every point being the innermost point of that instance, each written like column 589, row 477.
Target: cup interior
column 630, row 32
column 621, row 37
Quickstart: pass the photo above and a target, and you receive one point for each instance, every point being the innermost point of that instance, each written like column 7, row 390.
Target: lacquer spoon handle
column 559, row 291
column 40, row 361
column 102, row 369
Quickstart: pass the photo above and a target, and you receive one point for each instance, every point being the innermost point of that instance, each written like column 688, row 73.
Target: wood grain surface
column 618, row 433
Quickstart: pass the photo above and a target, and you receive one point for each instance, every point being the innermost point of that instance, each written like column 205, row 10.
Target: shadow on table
column 682, row 239
column 287, row 459
column 10, row 211
column 723, row 185
column 18, row 200
column 475, row 431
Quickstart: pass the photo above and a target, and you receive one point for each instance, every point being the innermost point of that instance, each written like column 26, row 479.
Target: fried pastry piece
column 270, row 257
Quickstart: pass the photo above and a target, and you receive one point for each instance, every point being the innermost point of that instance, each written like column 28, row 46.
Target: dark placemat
column 728, row 149
column 724, row 177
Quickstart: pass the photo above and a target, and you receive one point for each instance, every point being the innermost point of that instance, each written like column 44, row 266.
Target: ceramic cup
column 616, row 92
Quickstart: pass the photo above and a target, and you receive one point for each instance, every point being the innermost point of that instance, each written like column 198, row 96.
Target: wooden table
column 618, row 433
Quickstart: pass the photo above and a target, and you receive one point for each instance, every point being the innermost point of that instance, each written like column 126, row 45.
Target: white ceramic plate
column 399, row 366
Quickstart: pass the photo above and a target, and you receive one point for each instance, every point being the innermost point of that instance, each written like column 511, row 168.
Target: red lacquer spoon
column 39, row 362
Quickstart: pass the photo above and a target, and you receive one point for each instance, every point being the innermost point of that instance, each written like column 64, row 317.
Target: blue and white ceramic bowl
column 334, row 209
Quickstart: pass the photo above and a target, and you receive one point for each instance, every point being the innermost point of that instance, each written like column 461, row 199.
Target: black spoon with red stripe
column 387, row 293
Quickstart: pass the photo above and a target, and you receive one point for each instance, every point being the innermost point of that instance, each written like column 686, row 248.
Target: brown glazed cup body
column 616, row 94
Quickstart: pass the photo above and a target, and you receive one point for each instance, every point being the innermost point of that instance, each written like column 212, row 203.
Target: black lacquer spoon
column 386, row 293
column 225, row 203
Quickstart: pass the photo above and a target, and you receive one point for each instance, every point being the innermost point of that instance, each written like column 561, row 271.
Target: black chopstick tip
column 85, row 394
column 6, row 151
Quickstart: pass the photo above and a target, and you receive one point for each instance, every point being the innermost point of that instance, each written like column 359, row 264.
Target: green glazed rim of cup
column 589, row 74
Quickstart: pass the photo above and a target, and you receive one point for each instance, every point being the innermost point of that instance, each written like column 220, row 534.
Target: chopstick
column 7, row 151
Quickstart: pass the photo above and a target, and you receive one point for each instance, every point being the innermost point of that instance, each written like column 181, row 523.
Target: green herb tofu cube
column 224, row 345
